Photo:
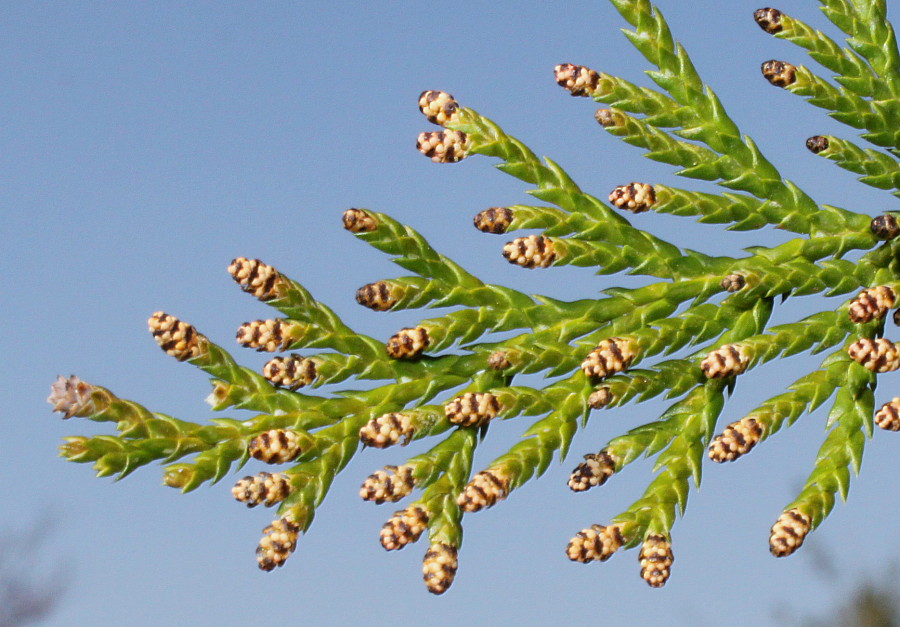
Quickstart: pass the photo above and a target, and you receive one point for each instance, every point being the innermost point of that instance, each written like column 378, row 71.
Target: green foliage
column 448, row 377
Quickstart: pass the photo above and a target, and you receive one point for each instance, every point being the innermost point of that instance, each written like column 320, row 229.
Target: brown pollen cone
column 779, row 73
column 788, row 533
column 486, row 489
column 769, row 20
column 495, row 220
column 407, row 343
column 736, row 439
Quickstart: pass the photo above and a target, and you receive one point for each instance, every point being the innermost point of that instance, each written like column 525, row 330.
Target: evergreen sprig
column 450, row 376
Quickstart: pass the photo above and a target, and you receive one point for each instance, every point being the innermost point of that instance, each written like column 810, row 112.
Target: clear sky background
column 144, row 145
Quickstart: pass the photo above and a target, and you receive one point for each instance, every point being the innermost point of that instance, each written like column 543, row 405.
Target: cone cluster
column 484, row 490
column 725, row 361
column 387, row 430
column 576, row 79
column 265, row 336
column 178, row 339
column 407, row 343
column 534, row 251
column 788, row 533
column 263, row 489
column 358, row 221
column 593, row 471
column 736, row 439
column 656, row 560
column 390, row 484
column 888, row 417
column 278, row 542
column 877, row 355
column 276, row 446
column 494, row 220
column 612, row 355
column 634, row 197
column 443, row 146
column 255, row 277
column 290, row 372
column 596, row 543
column 439, row 567
column 403, row 528
column 472, row 409
column 871, row 304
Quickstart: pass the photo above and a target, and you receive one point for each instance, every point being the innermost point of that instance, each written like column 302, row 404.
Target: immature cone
column 73, row 397
column 634, row 197
column 376, row 296
column 391, row 484
column 725, row 361
column 576, row 79
column 788, row 533
column 218, row 395
column 884, row 226
column 178, row 339
column 871, row 304
column 612, row 355
column 263, row 489
column 407, row 343
column 276, row 446
column 255, row 277
column 265, row 335
column 608, row 118
column 439, row 567
column 656, row 559
column 877, row 355
column 733, row 283
column 472, row 409
column 358, row 221
column 484, row 490
column 600, row 398
column 888, row 417
column 736, row 439
column 817, row 144
column 178, row 476
column 596, row 543
column 593, row 471
column 387, row 430
column 498, row 360
column 443, row 146
column 403, row 528
column 278, row 542
column 290, row 372
column 779, row 73
column 534, row 251
column 769, row 20
column 494, row 220
column 438, row 107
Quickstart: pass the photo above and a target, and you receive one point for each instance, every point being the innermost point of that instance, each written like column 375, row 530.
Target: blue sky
column 144, row 145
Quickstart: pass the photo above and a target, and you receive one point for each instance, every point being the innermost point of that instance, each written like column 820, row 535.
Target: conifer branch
column 448, row 377
column 852, row 71
column 878, row 169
